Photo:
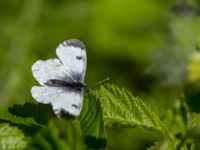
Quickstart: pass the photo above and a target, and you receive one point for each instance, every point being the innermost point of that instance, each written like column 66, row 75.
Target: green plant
column 34, row 126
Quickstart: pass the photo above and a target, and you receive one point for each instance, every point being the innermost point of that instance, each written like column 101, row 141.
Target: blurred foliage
column 149, row 47
column 11, row 137
column 59, row 135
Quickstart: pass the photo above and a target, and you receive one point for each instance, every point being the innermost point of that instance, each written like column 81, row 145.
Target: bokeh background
column 150, row 47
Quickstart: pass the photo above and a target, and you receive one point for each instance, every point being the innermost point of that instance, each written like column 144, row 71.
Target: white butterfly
column 62, row 80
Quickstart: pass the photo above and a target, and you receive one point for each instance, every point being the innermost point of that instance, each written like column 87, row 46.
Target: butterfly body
column 76, row 86
column 62, row 80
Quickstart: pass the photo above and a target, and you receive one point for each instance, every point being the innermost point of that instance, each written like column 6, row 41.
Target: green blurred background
column 151, row 47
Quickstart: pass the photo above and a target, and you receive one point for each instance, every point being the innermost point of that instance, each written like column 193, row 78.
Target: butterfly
column 62, row 79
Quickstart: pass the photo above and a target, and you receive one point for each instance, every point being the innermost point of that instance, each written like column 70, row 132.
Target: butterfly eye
column 79, row 57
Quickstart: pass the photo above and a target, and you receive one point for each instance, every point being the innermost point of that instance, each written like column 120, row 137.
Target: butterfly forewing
column 72, row 53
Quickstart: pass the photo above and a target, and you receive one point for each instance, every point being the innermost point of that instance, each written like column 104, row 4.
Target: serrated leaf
column 121, row 108
column 91, row 121
column 58, row 135
column 11, row 138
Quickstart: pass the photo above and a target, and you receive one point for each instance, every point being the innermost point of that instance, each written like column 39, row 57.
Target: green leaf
column 11, row 138
column 91, row 121
column 28, row 114
column 6, row 116
column 58, row 135
column 121, row 108
column 28, row 117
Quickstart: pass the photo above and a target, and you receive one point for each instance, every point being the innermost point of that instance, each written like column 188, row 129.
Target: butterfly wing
column 69, row 69
column 62, row 100
column 72, row 54
column 50, row 69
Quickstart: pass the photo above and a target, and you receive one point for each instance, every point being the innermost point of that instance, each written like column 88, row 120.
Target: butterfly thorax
column 77, row 86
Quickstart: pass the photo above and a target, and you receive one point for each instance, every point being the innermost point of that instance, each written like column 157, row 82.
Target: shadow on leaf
column 41, row 113
column 95, row 143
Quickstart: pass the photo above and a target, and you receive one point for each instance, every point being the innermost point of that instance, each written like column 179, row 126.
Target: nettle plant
column 35, row 126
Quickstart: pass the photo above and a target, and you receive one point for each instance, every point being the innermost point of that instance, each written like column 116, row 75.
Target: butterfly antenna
column 88, row 88
column 102, row 81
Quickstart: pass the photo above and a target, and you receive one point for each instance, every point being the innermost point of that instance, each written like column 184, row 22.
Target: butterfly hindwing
column 62, row 100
